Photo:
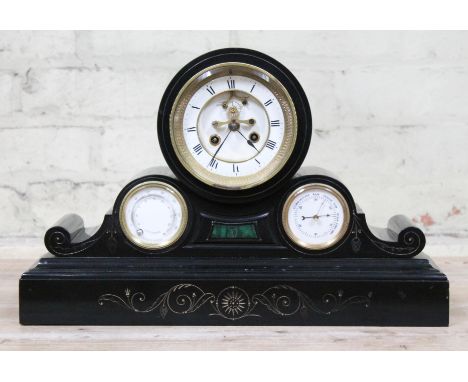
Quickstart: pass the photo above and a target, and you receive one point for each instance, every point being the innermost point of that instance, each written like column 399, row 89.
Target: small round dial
column 153, row 215
column 315, row 216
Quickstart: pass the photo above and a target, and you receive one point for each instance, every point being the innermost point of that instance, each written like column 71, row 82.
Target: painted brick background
column 390, row 110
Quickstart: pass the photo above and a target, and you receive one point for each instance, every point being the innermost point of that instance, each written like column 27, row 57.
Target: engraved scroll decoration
column 234, row 303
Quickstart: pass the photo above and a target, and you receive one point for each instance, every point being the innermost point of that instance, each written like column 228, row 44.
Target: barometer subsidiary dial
column 234, row 124
column 153, row 215
column 315, row 216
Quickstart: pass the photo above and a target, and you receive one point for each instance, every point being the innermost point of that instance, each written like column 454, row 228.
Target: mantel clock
column 234, row 231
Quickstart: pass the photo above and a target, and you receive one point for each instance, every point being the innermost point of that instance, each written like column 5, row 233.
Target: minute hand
column 221, row 145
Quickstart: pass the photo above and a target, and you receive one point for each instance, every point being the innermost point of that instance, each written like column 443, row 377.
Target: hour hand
column 249, row 142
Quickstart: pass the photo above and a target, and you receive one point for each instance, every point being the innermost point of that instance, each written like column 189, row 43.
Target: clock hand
column 250, row 143
column 320, row 208
column 221, row 145
column 314, row 217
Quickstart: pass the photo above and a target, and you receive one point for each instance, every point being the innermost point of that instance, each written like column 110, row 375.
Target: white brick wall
column 78, row 118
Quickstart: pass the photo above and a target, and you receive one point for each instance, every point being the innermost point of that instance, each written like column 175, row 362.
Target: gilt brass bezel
column 320, row 187
column 184, row 154
column 136, row 240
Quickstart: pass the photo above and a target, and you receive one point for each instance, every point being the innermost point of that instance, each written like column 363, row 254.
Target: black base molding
column 234, row 291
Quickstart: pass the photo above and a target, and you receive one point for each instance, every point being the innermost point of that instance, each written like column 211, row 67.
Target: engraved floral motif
column 180, row 299
column 234, row 303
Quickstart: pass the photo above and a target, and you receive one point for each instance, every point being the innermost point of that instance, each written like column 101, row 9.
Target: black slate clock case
column 400, row 239
column 251, row 274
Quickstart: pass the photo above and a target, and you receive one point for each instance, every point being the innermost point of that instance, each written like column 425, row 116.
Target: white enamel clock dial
column 315, row 216
column 153, row 215
column 233, row 126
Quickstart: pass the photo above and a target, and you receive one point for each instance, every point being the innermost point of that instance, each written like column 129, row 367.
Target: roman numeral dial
column 234, row 123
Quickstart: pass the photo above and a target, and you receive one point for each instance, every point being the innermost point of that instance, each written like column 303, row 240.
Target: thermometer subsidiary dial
column 315, row 216
column 153, row 215
column 234, row 124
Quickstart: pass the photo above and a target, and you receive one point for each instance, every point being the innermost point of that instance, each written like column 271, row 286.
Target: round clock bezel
column 299, row 103
column 143, row 244
column 183, row 153
column 329, row 243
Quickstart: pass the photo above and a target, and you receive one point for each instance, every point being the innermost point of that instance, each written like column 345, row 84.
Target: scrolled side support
column 68, row 237
column 406, row 233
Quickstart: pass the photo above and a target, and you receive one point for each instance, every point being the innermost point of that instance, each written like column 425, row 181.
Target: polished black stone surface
column 70, row 238
column 234, row 291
